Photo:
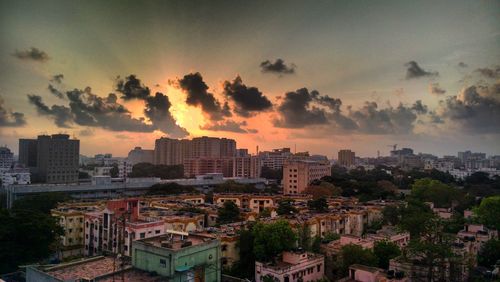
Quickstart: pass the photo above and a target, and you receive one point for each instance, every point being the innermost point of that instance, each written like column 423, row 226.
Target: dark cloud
column 278, row 66
column 247, row 100
column 298, row 110
column 198, row 95
column 132, row 88
column 419, row 107
column 493, row 73
column 462, row 65
column 476, row 109
column 415, row 71
column 33, row 54
column 391, row 120
column 158, row 111
column 58, row 78
column 55, row 91
column 86, row 132
column 435, row 89
column 229, row 126
column 61, row 114
column 9, row 118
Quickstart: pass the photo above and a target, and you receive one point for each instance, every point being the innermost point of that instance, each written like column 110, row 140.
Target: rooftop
column 177, row 240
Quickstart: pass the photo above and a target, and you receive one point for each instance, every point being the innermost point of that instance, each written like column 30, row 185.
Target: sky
column 318, row 76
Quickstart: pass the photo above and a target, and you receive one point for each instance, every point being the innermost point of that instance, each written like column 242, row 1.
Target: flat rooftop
column 86, row 269
column 174, row 242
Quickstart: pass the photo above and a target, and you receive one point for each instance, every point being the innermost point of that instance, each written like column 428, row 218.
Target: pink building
column 293, row 266
column 141, row 230
column 363, row 273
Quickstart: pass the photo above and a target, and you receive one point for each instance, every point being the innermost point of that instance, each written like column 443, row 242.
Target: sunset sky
column 318, row 75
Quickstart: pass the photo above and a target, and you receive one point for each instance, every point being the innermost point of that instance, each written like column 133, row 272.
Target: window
column 157, row 231
column 163, row 263
column 318, row 267
column 142, row 235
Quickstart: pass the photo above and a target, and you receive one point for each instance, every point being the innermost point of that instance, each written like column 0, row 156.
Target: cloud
column 33, row 54
column 278, row 66
column 475, row 109
column 435, row 89
column 419, row 107
column 198, row 95
column 391, row 120
column 132, row 88
column 158, row 111
column 86, row 132
column 493, row 73
column 297, row 110
column 61, row 114
column 247, row 100
column 9, row 118
column 462, row 65
column 415, row 71
column 229, row 126
column 58, row 78
column 55, row 92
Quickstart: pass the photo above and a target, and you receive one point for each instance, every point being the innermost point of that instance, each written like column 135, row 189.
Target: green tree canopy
column 435, row 191
column 228, row 213
column 319, row 205
column 414, row 217
column 170, row 189
column 385, row 250
column 26, row 236
column 272, row 239
column 43, row 202
column 354, row 254
column 285, row 207
column 489, row 253
column 488, row 212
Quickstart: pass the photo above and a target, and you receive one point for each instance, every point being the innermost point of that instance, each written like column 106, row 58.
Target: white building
column 124, row 168
column 6, row 158
column 15, row 176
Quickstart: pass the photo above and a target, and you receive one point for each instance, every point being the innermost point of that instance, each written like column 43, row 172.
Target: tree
column 354, row 254
column 385, row 250
column 319, row 205
column 285, row 207
column 266, row 212
column 432, row 248
column 228, row 213
column 269, row 173
column 391, row 215
column 26, row 236
column 304, row 236
column 488, row 212
column 435, row 191
column 323, row 189
column 245, row 267
column 415, row 217
column 316, row 244
column 330, row 236
column 43, row 202
column 114, row 171
column 272, row 239
column 232, row 186
column 161, row 171
column 170, row 189
column 489, row 253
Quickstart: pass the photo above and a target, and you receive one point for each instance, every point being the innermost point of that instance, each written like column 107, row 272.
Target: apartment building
column 139, row 155
column 208, row 165
column 247, row 167
column 346, row 158
column 276, row 158
column 298, row 175
column 6, row 158
column 293, row 267
column 28, row 153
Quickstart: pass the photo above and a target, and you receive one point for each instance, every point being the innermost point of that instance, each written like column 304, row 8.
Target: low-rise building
column 292, row 267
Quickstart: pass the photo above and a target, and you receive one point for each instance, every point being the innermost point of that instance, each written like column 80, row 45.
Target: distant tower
column 257, row 150
column 378, row 153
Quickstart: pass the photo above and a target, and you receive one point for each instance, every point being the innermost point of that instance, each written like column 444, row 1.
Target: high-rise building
column 57, row 158
column 171, row 151
column 28, row 152
column 205, row 165
column 298, row 175
column 6, row 158
column 346, row 158
column 276, row 158
column 247, row 167
column 139, row 155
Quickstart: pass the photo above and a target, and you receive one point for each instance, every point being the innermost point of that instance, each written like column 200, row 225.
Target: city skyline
column 285, row 74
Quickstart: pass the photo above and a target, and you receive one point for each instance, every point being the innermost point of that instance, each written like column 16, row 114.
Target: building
column 139, row 155
column 57, row 157
column 363, row 273
column 171, row 151
column 346, row 158
column 28, row 152
column 247, row 167
column 71, row 219
column 208, row 165
column 297, row 175
column 292, row 267
column 15, row 176
column 179, row 256
column 6, row 158
column 275, row 159
column 124, row 168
